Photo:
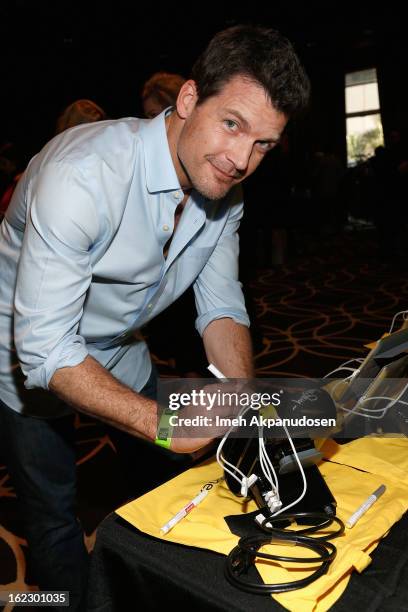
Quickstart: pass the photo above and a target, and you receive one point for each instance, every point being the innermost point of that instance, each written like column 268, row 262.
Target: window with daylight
column 363, row 119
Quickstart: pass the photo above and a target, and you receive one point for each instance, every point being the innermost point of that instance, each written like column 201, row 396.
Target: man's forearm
column 90, row 388
column 228, row 346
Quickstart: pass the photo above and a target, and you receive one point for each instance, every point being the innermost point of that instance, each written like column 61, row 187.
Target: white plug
column 260, row 519
column 246, row 484
column 272, row 500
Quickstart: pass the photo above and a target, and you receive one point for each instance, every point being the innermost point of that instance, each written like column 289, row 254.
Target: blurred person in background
column 160, row 91
column 80, row 111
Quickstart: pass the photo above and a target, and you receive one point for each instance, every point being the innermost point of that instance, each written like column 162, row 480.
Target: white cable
column 266, row 470
column 343, row 367
column 265, row 463
column 367, row 399
column 270, row 497
column 216, row 372
column 264, row 460
column 383, row 410
column 269, row 463
column 347, row 378
column 263, row 457
column 402, row 312
column 343, row 380
column 222, row 462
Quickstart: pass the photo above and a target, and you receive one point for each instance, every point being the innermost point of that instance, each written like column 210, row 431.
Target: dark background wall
column 52, row 53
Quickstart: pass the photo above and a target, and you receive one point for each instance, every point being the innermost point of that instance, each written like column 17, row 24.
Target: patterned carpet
column 321, row 310
column 313, row 313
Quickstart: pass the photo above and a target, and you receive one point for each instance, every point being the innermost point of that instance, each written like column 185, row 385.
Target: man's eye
column 231, row 125
column 265, row 145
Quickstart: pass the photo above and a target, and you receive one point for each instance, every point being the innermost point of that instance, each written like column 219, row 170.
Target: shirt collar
column 160, row 172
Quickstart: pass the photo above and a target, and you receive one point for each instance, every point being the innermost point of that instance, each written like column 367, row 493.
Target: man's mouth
column 228, row 174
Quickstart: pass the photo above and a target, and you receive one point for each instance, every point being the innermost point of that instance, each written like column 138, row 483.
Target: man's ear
column 186, row 99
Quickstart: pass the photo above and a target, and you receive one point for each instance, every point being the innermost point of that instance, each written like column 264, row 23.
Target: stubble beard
column 204, row 186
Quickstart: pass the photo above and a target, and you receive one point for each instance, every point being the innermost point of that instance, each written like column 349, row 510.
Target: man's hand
column 195, row 426
column 91, row 389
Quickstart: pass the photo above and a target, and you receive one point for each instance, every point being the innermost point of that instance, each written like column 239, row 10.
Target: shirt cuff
column 64, row 355
column 239, row 316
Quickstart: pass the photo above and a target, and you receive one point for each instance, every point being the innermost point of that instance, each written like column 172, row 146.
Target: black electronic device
column 244, row 454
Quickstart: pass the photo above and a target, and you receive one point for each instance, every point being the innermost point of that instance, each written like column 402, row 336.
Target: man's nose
column 240, row 154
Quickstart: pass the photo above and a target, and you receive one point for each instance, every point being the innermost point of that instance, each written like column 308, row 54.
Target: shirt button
column 176, row 195
column 166, row 228
column 150, row 306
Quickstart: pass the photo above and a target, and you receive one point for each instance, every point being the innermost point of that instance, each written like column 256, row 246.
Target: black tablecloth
column 133, row 571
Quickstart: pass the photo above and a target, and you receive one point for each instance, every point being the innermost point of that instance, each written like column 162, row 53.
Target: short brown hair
column 260, row 54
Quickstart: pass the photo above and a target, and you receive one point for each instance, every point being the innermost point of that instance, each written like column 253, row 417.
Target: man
column 90, row 253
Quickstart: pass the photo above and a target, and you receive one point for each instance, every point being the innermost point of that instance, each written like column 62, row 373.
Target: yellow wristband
column 269, row 412
column 164, row 429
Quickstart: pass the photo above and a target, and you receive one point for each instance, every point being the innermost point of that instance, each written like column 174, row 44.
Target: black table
column 133, row 571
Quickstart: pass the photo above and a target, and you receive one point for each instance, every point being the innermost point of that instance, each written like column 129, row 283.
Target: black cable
column 325, row 550
column 325, row 519
column 244, row 555
column 239, row 561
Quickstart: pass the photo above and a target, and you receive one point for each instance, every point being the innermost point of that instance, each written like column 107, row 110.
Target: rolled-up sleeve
column 54, row 273
column 218, row 292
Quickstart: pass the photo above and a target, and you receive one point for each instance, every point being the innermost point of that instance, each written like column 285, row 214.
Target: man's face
column 225, row 138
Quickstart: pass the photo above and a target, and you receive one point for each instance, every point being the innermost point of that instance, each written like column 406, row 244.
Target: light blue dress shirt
column 81, row 258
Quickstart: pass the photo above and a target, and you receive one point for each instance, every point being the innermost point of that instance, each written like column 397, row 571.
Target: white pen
column 184, row 511
column 364, row 507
